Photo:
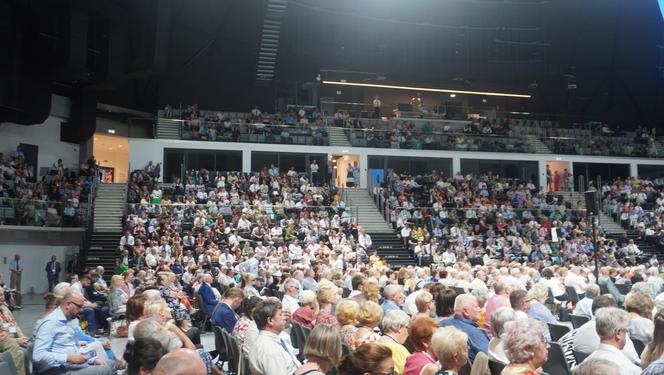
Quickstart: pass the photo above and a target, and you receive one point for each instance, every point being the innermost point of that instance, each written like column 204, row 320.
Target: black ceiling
column 147, row 53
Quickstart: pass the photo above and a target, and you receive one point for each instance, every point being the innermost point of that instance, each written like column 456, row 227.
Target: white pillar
column 246, row 161
column 456, row 165
column 364, row 170
column 633, row 169
column 542, row 174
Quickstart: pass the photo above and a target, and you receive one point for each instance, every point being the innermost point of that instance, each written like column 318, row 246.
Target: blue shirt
column 478, row 340
column 55, row 339
column 388, row 306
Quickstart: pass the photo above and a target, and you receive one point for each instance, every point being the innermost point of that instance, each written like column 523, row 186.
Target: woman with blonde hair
column 426, row 305
column 117, row 296
column 655, row 349
column 372, row 291
column 451, row 347
column 368, row 317
column 247, row 285
column 326, row 297
column 322, row 351
column 640, row 307
column 346, row 314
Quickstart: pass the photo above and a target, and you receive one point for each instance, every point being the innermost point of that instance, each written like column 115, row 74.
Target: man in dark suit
column 224, row 315
column 208, row 299
column 52, row 272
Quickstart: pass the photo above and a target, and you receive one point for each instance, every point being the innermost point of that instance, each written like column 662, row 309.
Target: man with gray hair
column 466, row 314
column 612, row 326
column 290, row 302
column 392, row 296
column 584, row 307
column 596, row 366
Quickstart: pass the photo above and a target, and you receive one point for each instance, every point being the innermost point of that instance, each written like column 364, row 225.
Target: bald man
column 180, row 362
column 57, row 348
column 466, row 314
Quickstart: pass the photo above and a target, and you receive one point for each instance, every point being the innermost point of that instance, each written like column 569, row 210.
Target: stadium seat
column 578, row 320
column 556, row 363
column 557, row 331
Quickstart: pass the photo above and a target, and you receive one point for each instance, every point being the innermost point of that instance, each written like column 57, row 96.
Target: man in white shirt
column 448, row 257
column 271, row 354
column 586, row 339
column 376, row 107
column 584, row 307
column 612, row 328
column 290, row 302
column 127, row 240
column 574, row 280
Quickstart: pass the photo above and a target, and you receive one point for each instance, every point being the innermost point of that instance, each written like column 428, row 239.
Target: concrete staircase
column 368, row 215
column 104, row 249
column 606, row 222
column 109, row 207
column 338, row 137
column 540, row 147
column 390, row 247
column 168, row 128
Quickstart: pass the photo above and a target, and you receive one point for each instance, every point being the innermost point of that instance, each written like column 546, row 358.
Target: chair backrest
column 556, row 363
column 459, row 290
column 571, row 294
column 639, row 346
column 580, row 356
column 578, row 320
column 301, row 334
column 219, row 343
column 557, row 331
column 7, row 364
column 603, row 289
column 233, row 351
column 496, row 367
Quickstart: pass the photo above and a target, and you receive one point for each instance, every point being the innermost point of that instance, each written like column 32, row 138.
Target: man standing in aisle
column 16, row 268
column 52, row 272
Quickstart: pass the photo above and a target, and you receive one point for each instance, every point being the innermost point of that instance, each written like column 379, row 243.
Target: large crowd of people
column 278, row 267
column 52, row 200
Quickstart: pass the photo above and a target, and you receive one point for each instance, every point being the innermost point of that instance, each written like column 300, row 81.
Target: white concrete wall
column 34, row 259
column 143, row 150
column 45, row 135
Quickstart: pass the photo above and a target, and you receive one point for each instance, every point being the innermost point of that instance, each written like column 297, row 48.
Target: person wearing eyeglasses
column 525, row 346
column 57, row 349
column 612, row 326
column 368, row 359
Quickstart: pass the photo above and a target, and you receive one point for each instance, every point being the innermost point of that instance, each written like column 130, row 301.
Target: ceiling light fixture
column 412, row 88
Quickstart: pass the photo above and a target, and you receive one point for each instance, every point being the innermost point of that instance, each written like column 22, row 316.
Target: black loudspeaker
column 591, row 202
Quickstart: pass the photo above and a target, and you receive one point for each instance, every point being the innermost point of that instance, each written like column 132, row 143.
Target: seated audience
column 496, row 344
column 394, row 327
column 368, row 318
column 322, row 351
column 370, row 358
column 466, row 315
column 142, row 355
column 612, row 326
column 525, row 346
column 423, row 358
column 271, row 354
column 451, row 347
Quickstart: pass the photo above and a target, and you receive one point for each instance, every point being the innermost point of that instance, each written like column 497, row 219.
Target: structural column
column 456, row 165
column 633, row 169
column 246, row 161
column 541, row 167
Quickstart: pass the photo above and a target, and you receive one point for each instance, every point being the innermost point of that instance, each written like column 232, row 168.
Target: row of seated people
column 263, row 271
column 472, row 137
column 398, row 310
column 637, row 204
column 604, row 146
column 293, row 126
column 52, row 201
column 484, row 216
